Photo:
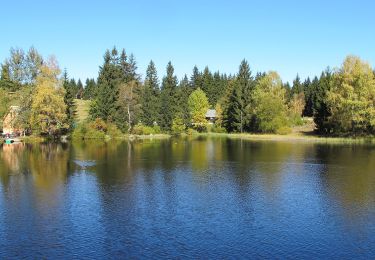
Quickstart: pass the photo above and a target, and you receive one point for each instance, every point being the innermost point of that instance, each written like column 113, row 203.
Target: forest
column 341, row 101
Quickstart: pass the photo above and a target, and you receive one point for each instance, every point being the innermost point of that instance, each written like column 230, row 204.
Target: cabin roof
column 211, row 113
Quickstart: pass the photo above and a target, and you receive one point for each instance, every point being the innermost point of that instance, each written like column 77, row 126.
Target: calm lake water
column 202, row 198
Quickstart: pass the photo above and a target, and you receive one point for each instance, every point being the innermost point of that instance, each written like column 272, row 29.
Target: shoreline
column 292, row 138
column 243, row 136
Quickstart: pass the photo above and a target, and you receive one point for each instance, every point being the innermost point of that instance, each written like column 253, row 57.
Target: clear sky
column 287, row 36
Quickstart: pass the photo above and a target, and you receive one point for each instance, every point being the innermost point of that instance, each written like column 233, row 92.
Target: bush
column 147, row 130
column 296, row 120
column 157, row 129
column 99, row 124
column 284, row 130
column 191, row 131
column 141, row 129
column 97, row 129
column 218, row 129
column 79, row 132
column 137, row 129
column 83, row 131
column 94, row 134
column 178, row 126
column 113, row 131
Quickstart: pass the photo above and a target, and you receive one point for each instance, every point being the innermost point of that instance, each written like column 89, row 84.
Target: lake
column 187, row 198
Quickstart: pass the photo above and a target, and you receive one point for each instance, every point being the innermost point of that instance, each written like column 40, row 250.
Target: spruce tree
column 150, row 96
column 321, row 108
column 196, row 79
column 239, row 116
column 79, row 89
column 297, row 86
column 132, row 69
column 168, row 106
column 183, row 92
column 89, row 91
column 110, row 75
column 5, row 80
column 207, row 85
column 218, row 88
column 307, row 89
column 69, row 99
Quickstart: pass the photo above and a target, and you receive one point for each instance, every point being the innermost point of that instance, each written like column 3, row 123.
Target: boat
column 11, row 140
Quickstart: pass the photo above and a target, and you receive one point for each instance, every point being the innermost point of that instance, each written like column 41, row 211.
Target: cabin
column 211, row 116
column 9, row 121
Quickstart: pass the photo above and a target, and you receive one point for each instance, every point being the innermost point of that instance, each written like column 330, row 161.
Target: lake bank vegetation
column 119, row 103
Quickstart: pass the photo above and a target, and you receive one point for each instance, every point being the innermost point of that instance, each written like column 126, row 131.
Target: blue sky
column 287, row 36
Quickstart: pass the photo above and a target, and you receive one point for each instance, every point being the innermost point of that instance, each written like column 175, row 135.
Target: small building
column 10, row 120
column 211, row 116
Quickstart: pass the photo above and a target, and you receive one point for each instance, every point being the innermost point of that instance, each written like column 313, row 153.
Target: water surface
column 179, row 198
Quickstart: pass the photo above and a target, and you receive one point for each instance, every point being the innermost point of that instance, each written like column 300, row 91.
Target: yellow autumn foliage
column 48, row 110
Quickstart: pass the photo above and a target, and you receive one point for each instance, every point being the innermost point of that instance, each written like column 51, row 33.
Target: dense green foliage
column 341, row 101
column 150, row 96
column 270, row 108
column 198, row 106
column 168, row 99
column 351, row 98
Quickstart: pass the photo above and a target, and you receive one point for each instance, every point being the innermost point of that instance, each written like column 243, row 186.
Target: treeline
column 341, row 101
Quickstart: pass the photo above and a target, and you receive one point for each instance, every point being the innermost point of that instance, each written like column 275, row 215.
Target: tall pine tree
column 321, row 108
column 151, row 96
column 239, row 114
column 168, row 106
column 196, row 79
column 110, row 76
column 183, row 92
column 69, row 99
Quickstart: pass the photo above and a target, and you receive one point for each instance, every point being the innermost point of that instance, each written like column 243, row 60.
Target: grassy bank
column 244, row 136
column 293, row 138
column 126, row 137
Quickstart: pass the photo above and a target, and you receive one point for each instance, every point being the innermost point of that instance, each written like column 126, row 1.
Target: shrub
column 113, row 131
column 141, row 129
column 178, row 126
column 218, row 129
column 284, row 130
column 147, row 130
column 79, row 132
column 191, row 131
column 137, row 129
column 157, row 129
column 99, row 124
column 94, row 134
column 97, row 129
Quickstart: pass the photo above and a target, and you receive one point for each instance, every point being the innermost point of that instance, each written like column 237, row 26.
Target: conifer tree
column 168, row 99
column 239, row 116
column 79, row 89
column 110, row 75
column 218, row 88
column 151, row 96
column 69, row 99
column 297, row 86
column 207, row 85
column 307, row 89
column 321, row 108
column 5, row 80
column 196, row 79
column 183, row 92
column 89, row 91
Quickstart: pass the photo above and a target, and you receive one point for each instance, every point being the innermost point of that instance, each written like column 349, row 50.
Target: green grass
column 292, row 138
column 82, row 109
